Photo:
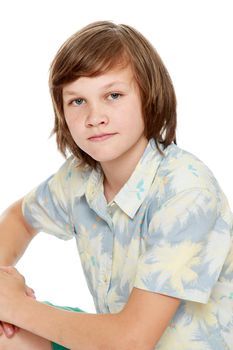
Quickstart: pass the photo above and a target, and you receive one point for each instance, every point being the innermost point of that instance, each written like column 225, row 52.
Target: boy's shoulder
column 182, row 170
column 73, row 167
column 73, row 174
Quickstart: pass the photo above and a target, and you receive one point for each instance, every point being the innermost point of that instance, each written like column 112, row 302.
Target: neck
column 118, row 171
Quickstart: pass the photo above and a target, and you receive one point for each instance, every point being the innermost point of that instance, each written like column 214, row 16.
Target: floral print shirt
column 168, row 230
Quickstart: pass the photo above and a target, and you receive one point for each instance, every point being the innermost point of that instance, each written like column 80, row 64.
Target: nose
column 96, row 116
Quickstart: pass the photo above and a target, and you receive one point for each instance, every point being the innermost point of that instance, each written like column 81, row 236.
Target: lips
column 100, row 137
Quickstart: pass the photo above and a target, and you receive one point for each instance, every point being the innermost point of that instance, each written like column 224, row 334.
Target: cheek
column 74, row 130
column 69, row 125
column 67, row 118
column 134, row 111
column 134, row 119
column 72, row 121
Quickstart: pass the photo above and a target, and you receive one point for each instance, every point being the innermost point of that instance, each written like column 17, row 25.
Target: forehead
column 120, row 76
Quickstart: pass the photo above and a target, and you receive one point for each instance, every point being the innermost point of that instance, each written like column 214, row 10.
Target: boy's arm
column 15, row 234
column 138, row 326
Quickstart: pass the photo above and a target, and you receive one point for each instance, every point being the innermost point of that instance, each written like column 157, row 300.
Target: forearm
column 15, row 235
column 73, row 330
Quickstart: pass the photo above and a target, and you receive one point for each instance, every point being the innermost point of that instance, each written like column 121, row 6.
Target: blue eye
column 78, row 101
column 115, row 95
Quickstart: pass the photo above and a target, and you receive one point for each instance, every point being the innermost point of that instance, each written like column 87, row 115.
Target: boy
column 147, row 216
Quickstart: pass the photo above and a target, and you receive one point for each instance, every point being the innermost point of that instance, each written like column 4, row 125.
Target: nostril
column 95, row 121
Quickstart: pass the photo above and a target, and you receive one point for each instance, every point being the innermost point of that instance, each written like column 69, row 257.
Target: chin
column 104, row 158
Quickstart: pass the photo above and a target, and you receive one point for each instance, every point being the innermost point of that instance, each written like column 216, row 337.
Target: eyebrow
column 107, row 86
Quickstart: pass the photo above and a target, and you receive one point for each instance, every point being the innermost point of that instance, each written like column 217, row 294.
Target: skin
column 12, row 224
column 140, row 324
column 109, row 103
column 8, row 329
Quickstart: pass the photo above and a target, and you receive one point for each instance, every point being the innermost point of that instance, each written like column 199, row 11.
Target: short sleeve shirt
column 168, row 230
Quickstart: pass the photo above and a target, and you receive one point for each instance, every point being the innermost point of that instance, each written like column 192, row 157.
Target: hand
column 8, row 329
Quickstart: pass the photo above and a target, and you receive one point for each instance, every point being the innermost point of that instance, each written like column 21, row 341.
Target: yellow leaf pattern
column 168, row 231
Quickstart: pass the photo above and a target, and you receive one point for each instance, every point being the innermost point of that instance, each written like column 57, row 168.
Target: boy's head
column 98, row 48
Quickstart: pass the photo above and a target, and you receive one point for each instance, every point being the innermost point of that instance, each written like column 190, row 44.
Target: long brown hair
column 97, row 48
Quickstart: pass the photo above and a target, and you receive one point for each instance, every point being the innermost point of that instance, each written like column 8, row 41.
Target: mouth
column 101, row 137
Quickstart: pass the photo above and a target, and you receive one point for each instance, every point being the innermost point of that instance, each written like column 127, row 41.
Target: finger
column 30, row 292
column 1, row 330
column 16, row 329
column 13, row 271
column 8, row 329
column 9, row 269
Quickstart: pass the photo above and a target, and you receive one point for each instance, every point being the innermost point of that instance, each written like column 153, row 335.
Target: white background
column 194, row 39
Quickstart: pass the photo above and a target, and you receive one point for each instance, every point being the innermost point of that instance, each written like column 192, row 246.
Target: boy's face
column 104, row 115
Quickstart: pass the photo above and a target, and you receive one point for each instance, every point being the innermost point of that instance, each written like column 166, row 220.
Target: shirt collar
column 133, row 193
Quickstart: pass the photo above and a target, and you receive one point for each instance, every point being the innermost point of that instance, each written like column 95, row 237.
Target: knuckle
column 11, row 268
